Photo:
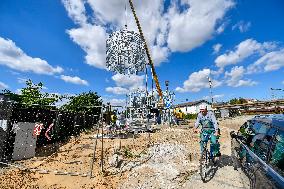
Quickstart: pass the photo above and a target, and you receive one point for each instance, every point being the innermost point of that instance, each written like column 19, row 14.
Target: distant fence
column 53, row 126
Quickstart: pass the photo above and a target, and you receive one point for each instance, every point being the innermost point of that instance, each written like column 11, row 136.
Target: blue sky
column 62, row 44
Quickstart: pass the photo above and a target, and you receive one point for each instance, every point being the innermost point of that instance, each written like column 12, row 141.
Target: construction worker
column 209, row 127
column 113, row 119
column 179, row 115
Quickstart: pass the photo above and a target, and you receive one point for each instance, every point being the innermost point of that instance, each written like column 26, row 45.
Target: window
column 257, row 127
column 277, row 153
column 261, row 139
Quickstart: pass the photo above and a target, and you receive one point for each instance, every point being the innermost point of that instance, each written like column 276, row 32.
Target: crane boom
column 159, row 90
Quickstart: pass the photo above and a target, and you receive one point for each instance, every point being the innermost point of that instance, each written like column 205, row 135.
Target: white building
column 192, row 107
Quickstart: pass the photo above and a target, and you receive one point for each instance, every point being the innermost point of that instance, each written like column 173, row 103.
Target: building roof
column 220, row 103
column 277, row 102
column 191, row 103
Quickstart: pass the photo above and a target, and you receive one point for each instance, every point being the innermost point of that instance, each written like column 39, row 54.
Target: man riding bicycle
column 209, row 129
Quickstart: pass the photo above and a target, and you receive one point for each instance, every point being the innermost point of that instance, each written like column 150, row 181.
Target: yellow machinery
column 159, row 90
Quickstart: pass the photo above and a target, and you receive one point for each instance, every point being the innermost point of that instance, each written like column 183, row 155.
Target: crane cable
column 147, row 50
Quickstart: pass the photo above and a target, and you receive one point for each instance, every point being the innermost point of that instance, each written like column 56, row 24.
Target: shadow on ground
column 223, row 161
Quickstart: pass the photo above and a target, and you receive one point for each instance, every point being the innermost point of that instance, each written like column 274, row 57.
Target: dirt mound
column 167, row 162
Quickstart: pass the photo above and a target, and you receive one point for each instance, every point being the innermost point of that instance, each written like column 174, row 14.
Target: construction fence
column 26, row 132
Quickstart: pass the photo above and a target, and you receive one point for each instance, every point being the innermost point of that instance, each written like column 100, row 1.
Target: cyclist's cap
column 202, row 107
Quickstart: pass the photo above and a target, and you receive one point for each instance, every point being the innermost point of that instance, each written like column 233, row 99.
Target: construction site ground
column 167, row 158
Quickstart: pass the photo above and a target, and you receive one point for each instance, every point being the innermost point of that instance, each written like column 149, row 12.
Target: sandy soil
column 167, row 158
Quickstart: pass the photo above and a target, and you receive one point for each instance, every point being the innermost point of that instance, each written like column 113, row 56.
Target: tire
column 204, row 161
column 235, row 155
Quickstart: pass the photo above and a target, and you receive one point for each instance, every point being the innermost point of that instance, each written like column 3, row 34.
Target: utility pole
column 168, row 109
column 186, row 100
column 210, row 86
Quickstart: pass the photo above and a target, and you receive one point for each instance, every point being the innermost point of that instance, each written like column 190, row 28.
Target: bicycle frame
column 208, row 137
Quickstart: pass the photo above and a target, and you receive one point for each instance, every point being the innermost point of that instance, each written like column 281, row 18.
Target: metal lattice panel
column 137, row 99
column 125, row 52
column 168, row 98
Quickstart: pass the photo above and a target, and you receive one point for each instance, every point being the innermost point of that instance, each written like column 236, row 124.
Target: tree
column 237, row 101
column 242, row 100
column 12, row 96
column 84, row 102
column 32, row 95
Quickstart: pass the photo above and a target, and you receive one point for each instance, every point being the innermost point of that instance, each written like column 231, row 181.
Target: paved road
column 225, row 176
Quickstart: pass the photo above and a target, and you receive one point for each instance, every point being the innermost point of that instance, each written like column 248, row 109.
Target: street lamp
column 273, row 96
column 167, row 85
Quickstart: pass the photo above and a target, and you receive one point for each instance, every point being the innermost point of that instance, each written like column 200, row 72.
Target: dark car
column 258, row 149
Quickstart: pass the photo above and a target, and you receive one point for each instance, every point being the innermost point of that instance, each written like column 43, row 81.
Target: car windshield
column 258, row 136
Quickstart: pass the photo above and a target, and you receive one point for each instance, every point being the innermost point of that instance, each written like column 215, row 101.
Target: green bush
column 190, row 116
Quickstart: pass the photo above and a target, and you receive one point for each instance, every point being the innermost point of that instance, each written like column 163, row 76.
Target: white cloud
column 234, row 78
column 221, row 28
column 18, row 91
column 216, row 48
column 218, row 96
column 108, row 11
column 74, row 80
column 21, row 80
column 126, row 83
column 3, row 85
column 269, row 62
column 131, row 82
column 117, row 90
column 64, row 100
column 91, row 39
column 194, row 26
column 13, row 57
column 14, row 73
column 283, row 82
column 160, row 54
column 242, row 26
column 243, row 50
column 76, row 10
column 91, row 36
column 24, row 80
column 114, row 101
column 218, row 72
column 214, row 96
column 197, row 81
column 164, row 30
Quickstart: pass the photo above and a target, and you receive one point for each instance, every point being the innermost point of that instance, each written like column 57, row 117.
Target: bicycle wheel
column 204, row 161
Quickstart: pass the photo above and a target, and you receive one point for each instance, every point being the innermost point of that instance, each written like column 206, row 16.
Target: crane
column 159, row 90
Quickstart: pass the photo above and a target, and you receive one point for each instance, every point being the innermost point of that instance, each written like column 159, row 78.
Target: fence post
column 100, row 122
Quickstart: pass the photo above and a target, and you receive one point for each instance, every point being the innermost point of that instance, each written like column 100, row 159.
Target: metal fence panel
column 25, row 142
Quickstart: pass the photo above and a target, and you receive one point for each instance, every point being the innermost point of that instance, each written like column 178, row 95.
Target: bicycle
column 206, row 158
